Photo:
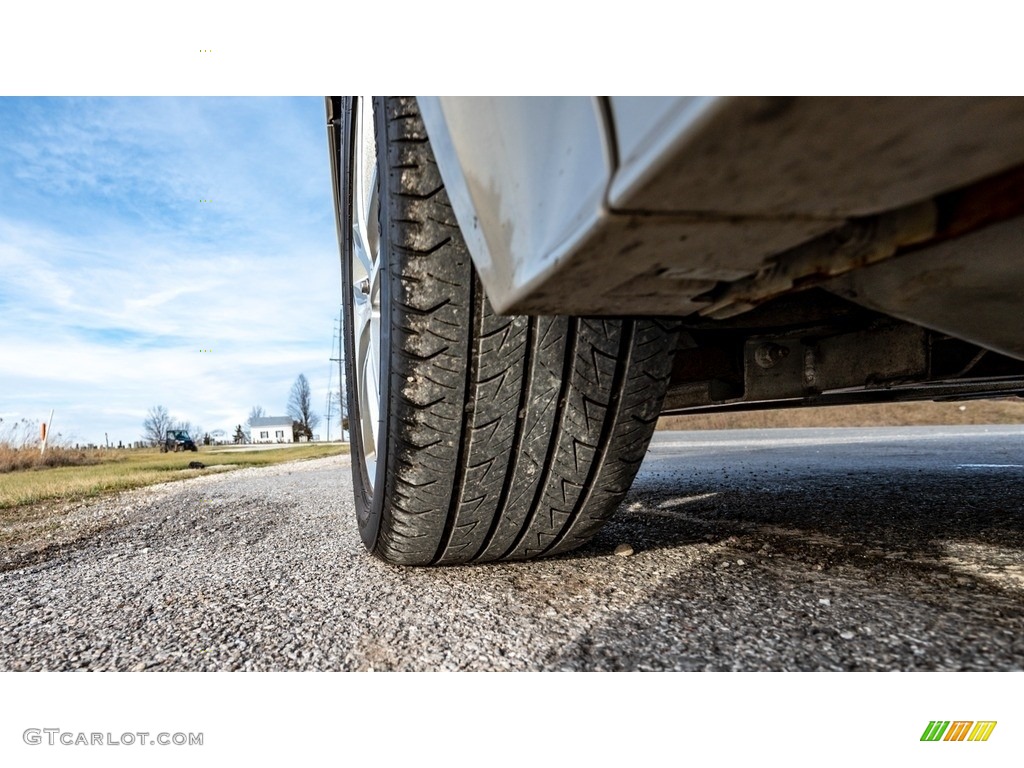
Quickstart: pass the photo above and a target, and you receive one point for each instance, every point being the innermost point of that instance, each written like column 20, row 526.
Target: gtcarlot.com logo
column 958, row 730
column 55, row 736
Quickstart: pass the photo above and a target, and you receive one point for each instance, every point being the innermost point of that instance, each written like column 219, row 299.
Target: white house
column 271, row 429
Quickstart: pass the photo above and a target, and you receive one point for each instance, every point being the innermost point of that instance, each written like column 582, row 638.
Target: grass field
column 108, row 471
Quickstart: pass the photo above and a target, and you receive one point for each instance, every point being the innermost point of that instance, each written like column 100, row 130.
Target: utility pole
column 330, row 373
column 340, row 360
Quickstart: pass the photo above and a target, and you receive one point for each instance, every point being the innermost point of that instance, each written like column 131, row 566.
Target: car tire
column 475, row 437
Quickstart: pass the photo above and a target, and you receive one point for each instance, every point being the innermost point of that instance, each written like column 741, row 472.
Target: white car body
column 628, row 205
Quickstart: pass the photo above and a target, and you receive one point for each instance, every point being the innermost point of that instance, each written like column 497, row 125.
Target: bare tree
column 156, row 424
column 300, row 408
column 239, row 435
column 257, row 412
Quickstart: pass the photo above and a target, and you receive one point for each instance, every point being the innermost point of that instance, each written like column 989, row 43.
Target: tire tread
column 511, row 437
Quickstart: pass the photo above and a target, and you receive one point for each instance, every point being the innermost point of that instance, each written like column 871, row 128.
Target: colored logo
column 959, row 730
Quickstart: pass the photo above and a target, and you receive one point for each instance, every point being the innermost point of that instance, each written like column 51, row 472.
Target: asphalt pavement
column 852, row 549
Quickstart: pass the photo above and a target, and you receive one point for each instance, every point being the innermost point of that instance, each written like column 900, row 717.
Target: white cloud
column 120, row 277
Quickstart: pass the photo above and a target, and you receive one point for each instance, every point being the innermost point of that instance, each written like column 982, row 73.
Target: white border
column 524, row 719
column 122, row 47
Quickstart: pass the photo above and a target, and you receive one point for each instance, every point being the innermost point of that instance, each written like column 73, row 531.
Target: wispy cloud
column 162, row 251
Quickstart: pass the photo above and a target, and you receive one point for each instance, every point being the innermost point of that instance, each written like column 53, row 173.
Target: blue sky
column 135, row 233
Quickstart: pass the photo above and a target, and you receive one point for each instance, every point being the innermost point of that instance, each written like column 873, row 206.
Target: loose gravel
column 811, row 556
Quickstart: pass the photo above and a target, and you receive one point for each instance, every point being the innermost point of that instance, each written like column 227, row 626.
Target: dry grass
column 1004, row 411
column 13, row 459
column 122, row 470
column 19, row 449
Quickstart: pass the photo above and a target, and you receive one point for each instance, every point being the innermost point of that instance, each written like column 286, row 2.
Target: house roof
column 270, row 421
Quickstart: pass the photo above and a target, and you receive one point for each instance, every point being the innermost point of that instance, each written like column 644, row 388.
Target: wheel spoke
column 361, row 251
column 372, row 227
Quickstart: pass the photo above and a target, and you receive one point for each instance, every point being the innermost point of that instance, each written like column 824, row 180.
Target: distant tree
column 300, row 408
column 156, row 424
column 239, row 435
column 257, row 412
column 300, row 430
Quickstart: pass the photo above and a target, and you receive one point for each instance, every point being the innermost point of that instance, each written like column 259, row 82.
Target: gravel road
column 752, row 550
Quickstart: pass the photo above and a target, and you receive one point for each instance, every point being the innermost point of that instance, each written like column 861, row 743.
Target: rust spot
column 992, row 200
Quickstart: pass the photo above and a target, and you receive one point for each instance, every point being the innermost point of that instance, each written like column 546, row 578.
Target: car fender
column 527, row 178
